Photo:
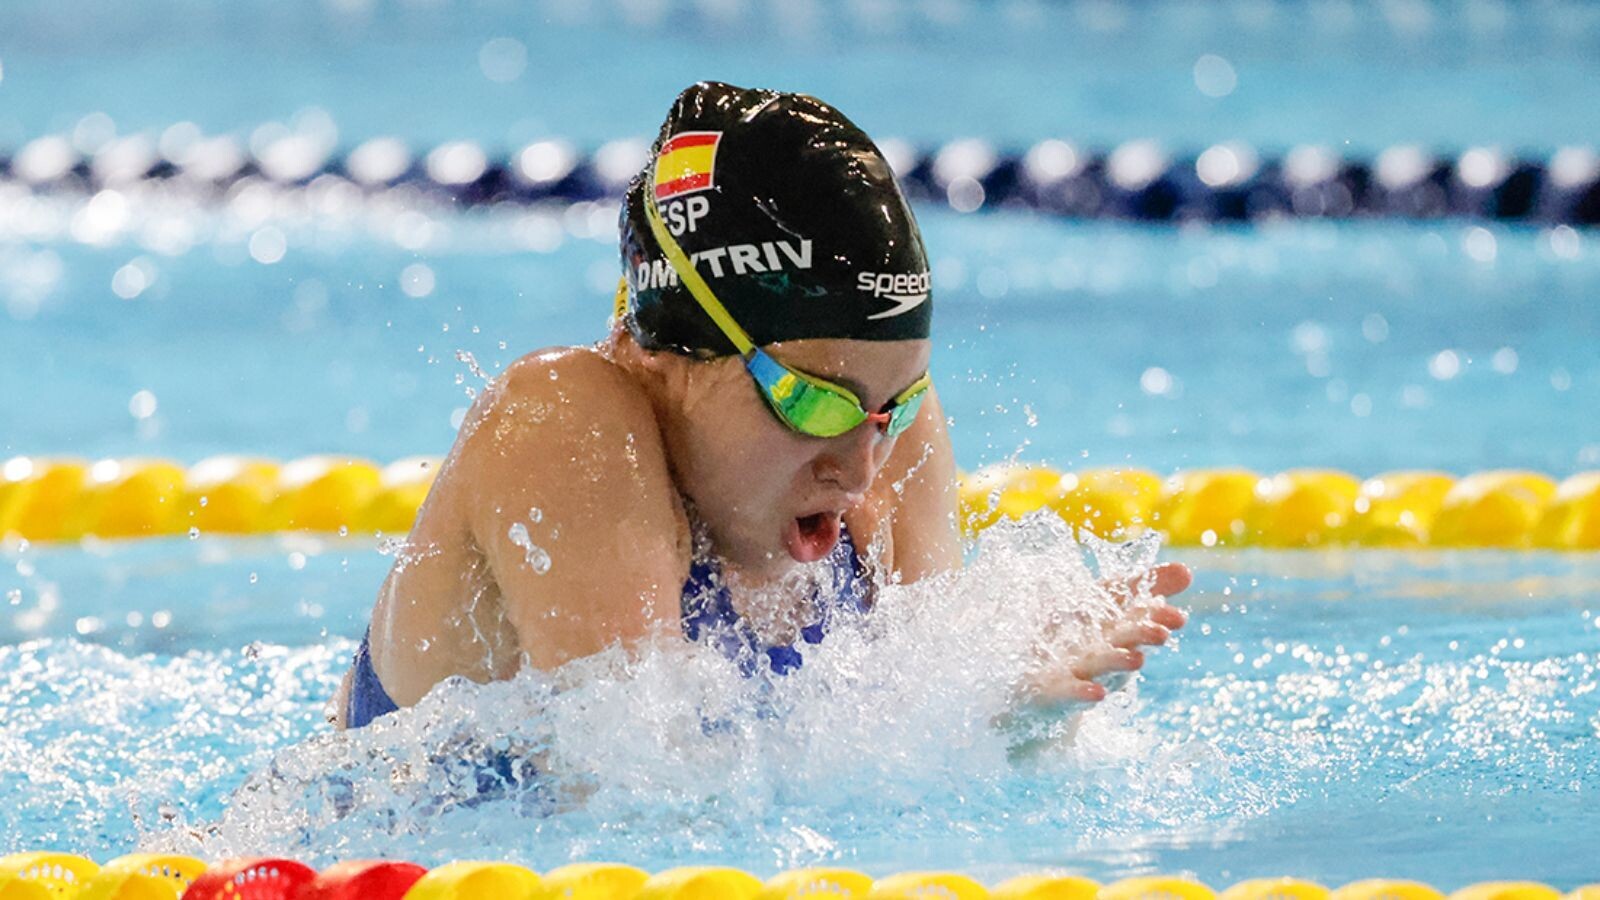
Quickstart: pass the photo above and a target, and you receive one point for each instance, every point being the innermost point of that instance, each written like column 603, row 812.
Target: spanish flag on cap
column 686, row 164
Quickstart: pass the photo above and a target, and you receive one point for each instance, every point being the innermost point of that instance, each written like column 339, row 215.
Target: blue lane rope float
column 1138, row 180
column 63, row 499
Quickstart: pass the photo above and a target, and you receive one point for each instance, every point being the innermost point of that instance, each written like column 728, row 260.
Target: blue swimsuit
column 708, row 614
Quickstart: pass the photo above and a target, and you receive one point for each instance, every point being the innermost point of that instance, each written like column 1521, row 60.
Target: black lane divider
column 1136, row 181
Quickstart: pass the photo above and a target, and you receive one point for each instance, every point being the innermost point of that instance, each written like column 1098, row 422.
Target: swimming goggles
column 806, row 403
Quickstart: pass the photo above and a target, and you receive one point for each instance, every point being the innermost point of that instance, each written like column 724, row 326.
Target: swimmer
column 763, row 401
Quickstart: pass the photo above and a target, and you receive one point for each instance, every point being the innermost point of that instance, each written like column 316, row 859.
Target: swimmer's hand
column 1084, row 678
column 1052, row 695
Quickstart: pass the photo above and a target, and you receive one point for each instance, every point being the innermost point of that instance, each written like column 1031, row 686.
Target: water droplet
column 204, row 500
column 471, row 362
column 194, row 532
column 535, row 556
column 535, row 515
column 254, row 577
column 344, row 531
column 14, row 596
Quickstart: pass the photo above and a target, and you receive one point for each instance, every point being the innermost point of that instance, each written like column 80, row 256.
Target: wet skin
column 610, row 445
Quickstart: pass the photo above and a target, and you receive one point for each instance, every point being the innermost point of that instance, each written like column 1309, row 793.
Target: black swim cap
column 789, row 212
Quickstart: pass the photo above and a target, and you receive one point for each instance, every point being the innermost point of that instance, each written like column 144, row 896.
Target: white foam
column 895, row 707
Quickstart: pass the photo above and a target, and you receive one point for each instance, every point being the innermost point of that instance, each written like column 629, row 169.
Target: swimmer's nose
column 850, row 461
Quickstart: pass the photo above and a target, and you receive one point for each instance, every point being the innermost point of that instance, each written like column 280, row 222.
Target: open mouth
column 810, row 538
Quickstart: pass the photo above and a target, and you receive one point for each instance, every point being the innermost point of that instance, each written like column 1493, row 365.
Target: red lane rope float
column 251, row 879
column 363, row 880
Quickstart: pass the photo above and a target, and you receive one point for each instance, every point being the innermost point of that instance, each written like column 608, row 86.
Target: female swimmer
column 763, row 401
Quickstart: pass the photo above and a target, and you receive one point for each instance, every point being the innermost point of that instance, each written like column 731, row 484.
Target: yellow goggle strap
column 691, row 279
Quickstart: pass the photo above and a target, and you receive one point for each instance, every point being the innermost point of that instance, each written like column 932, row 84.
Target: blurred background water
column 1366, row 74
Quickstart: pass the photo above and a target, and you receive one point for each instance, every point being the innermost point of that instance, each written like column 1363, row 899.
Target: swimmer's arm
column 920, row 481
column 584, row 450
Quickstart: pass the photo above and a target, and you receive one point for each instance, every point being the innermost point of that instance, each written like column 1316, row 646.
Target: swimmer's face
column 770, row 496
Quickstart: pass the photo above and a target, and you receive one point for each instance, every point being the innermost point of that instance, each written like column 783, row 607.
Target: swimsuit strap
column 368, row 700
column 708, row 611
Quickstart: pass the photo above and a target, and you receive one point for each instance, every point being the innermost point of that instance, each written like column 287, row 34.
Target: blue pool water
column 1331, row 715
column 1349, row 73
column 1361, row 346
column 1334, row 716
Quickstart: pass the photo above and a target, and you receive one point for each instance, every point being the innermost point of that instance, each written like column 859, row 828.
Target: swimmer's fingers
column 1169, row 617
column 1137, row 634
column 1106, row 661
column 1057, row 688
column 1165, row 580
column 1144, row 624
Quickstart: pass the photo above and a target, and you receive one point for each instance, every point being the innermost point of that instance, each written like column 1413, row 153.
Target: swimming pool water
column 1364, row 346
column 1352, row 74
column 1428, row 716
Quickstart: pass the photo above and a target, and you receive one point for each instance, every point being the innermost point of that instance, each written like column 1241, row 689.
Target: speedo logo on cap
column 687, row 163
column 908, row 290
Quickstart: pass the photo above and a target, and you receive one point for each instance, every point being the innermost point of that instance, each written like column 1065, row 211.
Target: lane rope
column 59, row 499
column 60, row 876
column 1139, row 179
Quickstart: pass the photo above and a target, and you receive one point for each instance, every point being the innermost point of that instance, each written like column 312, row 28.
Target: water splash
column 1416, row 697
column 466, row 358
column 890, row 720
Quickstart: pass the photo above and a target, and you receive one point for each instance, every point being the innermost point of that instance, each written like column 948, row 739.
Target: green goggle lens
column 819, row 408
column 905, row 408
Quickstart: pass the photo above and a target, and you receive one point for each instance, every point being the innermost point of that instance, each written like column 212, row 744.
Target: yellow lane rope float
column 56, row 876
column 61, row 499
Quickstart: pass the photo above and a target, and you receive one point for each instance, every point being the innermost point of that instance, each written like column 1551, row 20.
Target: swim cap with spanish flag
column 787, row 210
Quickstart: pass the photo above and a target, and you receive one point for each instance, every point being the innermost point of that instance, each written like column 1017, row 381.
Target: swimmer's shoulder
column 564, row 410
column 563, row 486
column 585, row 369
